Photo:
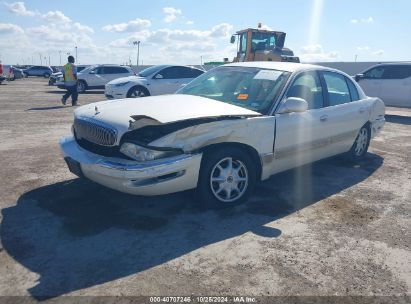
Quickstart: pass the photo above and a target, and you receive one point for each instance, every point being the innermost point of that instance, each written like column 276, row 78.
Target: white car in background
column 226, row 130
column 96, row 76
column 389, row 81
column 155, row 80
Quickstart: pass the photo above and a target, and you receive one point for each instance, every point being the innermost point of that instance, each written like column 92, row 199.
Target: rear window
column 337, row 89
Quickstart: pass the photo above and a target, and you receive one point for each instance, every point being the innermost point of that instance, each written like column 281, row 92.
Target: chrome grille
column 94, row 131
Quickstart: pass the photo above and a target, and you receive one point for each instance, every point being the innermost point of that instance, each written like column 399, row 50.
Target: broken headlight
column 143, row 154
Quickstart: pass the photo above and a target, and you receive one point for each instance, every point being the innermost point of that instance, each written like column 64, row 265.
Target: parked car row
column 57, row 77
column 223, row 132
column 40, row 71
column 156, row 80
column 122, row 82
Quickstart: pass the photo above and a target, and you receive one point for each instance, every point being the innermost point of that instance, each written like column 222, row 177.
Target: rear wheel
column 137, row 91
column 46, row 75
column 227, row 177
column 360, row 147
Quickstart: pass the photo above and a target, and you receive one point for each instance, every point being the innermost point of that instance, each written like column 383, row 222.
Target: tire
column 46, row 75
column 360, row 146
column 81, row 86
column 137, row 92
column 220, row 187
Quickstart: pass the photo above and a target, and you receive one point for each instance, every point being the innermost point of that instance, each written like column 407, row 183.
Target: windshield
column 247, row 87
column 151, row 70
column 262, row 41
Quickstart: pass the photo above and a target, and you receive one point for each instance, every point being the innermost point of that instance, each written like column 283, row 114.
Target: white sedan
column 228, row 129
column 155, row 80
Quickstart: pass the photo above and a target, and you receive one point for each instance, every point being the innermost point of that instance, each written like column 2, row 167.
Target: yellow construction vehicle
column 262, row 45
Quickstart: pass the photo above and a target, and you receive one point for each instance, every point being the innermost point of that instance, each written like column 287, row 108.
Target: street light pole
column 41, row 59
column 76, row 55
column 138, row 50
column 60, row 57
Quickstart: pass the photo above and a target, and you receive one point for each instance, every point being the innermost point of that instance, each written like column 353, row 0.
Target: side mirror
column 293, row 104
column 232, row 40
column 358, row 77
column 159, row 76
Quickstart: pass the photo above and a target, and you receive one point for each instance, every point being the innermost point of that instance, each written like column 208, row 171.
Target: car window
column 397, row 72
column 191, row 73
column 172, row 72
column 374, row 73
column 110, row 70
column 353, row 90
column 337, row 88
column 118, row 70
column 98, row 70
column 308, row 87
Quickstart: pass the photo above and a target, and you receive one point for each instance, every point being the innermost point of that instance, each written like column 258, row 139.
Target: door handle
column 361, row 110
column 324, row 118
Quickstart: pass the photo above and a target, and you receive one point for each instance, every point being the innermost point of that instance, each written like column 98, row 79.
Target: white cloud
column 57, row 17
column 171, row 14
column 316, row 53
column 362, row 20
column 8, row 28
column 18, row 8
column 190, row 22
column 131, row 26
column 363, row 48
column 83, row 28
column 378, row 53
column 222, row 30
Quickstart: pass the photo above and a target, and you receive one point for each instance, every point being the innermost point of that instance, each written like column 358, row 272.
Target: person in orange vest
column 70, row 82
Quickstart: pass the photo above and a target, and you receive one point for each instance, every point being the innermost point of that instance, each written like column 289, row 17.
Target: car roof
column 281, row 66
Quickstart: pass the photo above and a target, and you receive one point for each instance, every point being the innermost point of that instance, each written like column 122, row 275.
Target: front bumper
column 111, row 92
column 150, row 178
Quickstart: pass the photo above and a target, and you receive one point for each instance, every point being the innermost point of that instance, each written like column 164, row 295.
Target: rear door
column 396, row 85
column 372, row 80
column 346, row 114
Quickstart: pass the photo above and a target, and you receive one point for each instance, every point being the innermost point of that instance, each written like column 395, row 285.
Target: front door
column 166, row 81
column 371, row 82
column 302, row 137
column 396, row 85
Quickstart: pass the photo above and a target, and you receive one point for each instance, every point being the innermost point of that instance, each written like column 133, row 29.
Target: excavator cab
column 262, row 45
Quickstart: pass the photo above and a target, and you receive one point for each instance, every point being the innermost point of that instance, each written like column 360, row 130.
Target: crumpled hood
column 125, row 79
column 164, row 109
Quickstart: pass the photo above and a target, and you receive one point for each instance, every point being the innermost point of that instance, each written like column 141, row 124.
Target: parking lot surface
column 330, row 228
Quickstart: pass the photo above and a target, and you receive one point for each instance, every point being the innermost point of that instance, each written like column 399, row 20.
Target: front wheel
column 81, row 86
column 227, row 177
column 137, row 92
column 360, row 147
column 46, row 75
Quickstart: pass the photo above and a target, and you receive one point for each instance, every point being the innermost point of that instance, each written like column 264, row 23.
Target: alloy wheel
column 229, row 180
column 361, row 142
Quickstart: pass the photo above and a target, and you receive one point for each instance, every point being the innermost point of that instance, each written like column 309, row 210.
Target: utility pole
column 356, row 57
column 41, row 59
column 138, row 50
column 60, row 57
column 76, row 55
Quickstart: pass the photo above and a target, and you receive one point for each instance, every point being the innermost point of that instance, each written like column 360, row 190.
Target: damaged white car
column 228, row 129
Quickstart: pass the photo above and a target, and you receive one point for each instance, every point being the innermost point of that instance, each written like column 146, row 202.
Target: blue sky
column 186, row 31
